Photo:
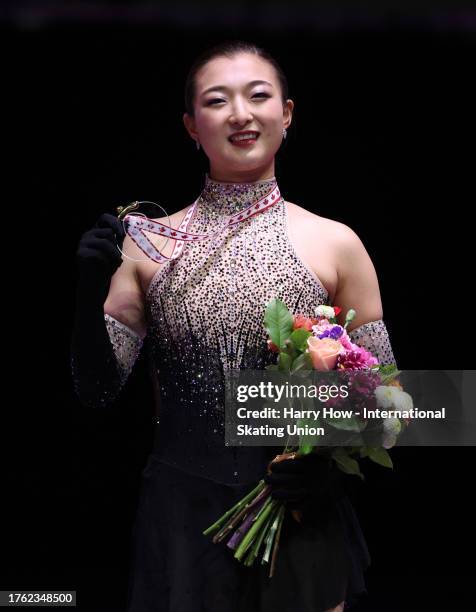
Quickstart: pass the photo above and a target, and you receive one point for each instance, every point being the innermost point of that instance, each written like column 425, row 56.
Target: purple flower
column 335, row 333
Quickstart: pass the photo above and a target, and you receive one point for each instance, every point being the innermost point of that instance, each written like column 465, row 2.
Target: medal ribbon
column 136, row 227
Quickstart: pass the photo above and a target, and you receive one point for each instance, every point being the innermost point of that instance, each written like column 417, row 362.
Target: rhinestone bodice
column 205, row 314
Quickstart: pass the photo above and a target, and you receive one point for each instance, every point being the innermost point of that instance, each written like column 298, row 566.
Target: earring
column 285, row 133
column 197, row 144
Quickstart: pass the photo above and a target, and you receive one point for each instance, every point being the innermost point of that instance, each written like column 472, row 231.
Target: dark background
column 382, row 140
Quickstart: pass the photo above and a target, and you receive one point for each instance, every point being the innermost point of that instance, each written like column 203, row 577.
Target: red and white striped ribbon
column 136, row 226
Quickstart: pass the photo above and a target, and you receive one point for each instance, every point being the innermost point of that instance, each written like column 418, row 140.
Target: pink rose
column 323, row 352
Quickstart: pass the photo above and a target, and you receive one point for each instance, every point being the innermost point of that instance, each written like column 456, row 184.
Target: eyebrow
column 224, row 88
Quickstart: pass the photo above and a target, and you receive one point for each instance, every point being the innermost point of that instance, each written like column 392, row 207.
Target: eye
column 259, row 93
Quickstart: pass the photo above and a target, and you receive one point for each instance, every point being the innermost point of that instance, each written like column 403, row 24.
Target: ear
column 189, row 123
column 288, row 113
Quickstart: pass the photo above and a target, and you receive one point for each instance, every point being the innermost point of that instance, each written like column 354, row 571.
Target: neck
column 242, row 176
column 226, row 197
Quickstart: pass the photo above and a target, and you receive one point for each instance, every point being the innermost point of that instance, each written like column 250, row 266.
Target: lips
column 252, row 133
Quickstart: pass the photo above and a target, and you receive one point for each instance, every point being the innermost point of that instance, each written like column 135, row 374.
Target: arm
column 358, row 288
column 105, row 345
column 124, row 314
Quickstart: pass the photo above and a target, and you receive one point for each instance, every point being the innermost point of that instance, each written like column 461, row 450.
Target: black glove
column 95, row 371
column 310, row 483
column 98, row 257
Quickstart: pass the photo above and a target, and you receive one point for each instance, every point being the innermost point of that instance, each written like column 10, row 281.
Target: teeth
column 244, row 137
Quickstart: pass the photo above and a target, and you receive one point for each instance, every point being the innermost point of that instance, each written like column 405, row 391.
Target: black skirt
column 175, row 568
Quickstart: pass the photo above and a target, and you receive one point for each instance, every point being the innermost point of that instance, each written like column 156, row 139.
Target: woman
column 202, row 313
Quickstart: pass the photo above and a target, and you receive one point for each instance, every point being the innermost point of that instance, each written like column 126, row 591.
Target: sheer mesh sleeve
column 99, row 369
column 126, row 344
column 374, row 337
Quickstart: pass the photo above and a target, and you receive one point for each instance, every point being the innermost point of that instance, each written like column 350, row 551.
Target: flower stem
column 241, row 531
column 257, row 544
column 240, row 515
column 238, row 505
column 247, row 540
column 270, row 537
column 276, row 541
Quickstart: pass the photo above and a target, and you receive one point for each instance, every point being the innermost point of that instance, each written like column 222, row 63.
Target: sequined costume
column 205, row 315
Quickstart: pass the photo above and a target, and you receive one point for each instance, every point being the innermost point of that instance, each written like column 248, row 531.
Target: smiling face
column 229, row 99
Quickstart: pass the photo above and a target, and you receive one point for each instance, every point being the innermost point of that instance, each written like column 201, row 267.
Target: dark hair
column 229, row 48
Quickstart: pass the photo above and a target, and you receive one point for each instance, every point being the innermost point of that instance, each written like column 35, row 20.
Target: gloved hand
column 98, row 257
column 308, row 483
column 96, row 375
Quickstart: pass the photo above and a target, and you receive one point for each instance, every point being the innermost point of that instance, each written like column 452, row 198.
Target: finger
column 108, row 220
column 284, row 479
column 101, row 232
column 289, row 466
column 104, row 245
column 105, row 220
column 290, row 496
column 97, row 234
column 313, row 464
column 88, row 255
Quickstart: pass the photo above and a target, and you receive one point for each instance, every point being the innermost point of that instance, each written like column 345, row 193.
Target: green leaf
column 278, row 322
column 388, row 373
column 387, row 369
column 346, row 463
column 309, row 440
column 380, row 455
column 284, row 362
column 305, row 449
column 346, row 423
column 289, row 348
column 302, row 362
column 299, row 338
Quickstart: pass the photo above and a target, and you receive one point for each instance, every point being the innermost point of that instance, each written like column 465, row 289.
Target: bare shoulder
column 330, row 248
column 342, row 258
column 331, row 231
column 175, row 217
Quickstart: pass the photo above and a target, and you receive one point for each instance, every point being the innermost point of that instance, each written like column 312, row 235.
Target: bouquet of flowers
column 252, row 527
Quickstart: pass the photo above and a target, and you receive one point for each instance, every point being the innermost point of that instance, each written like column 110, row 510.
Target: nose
column 240, row 112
